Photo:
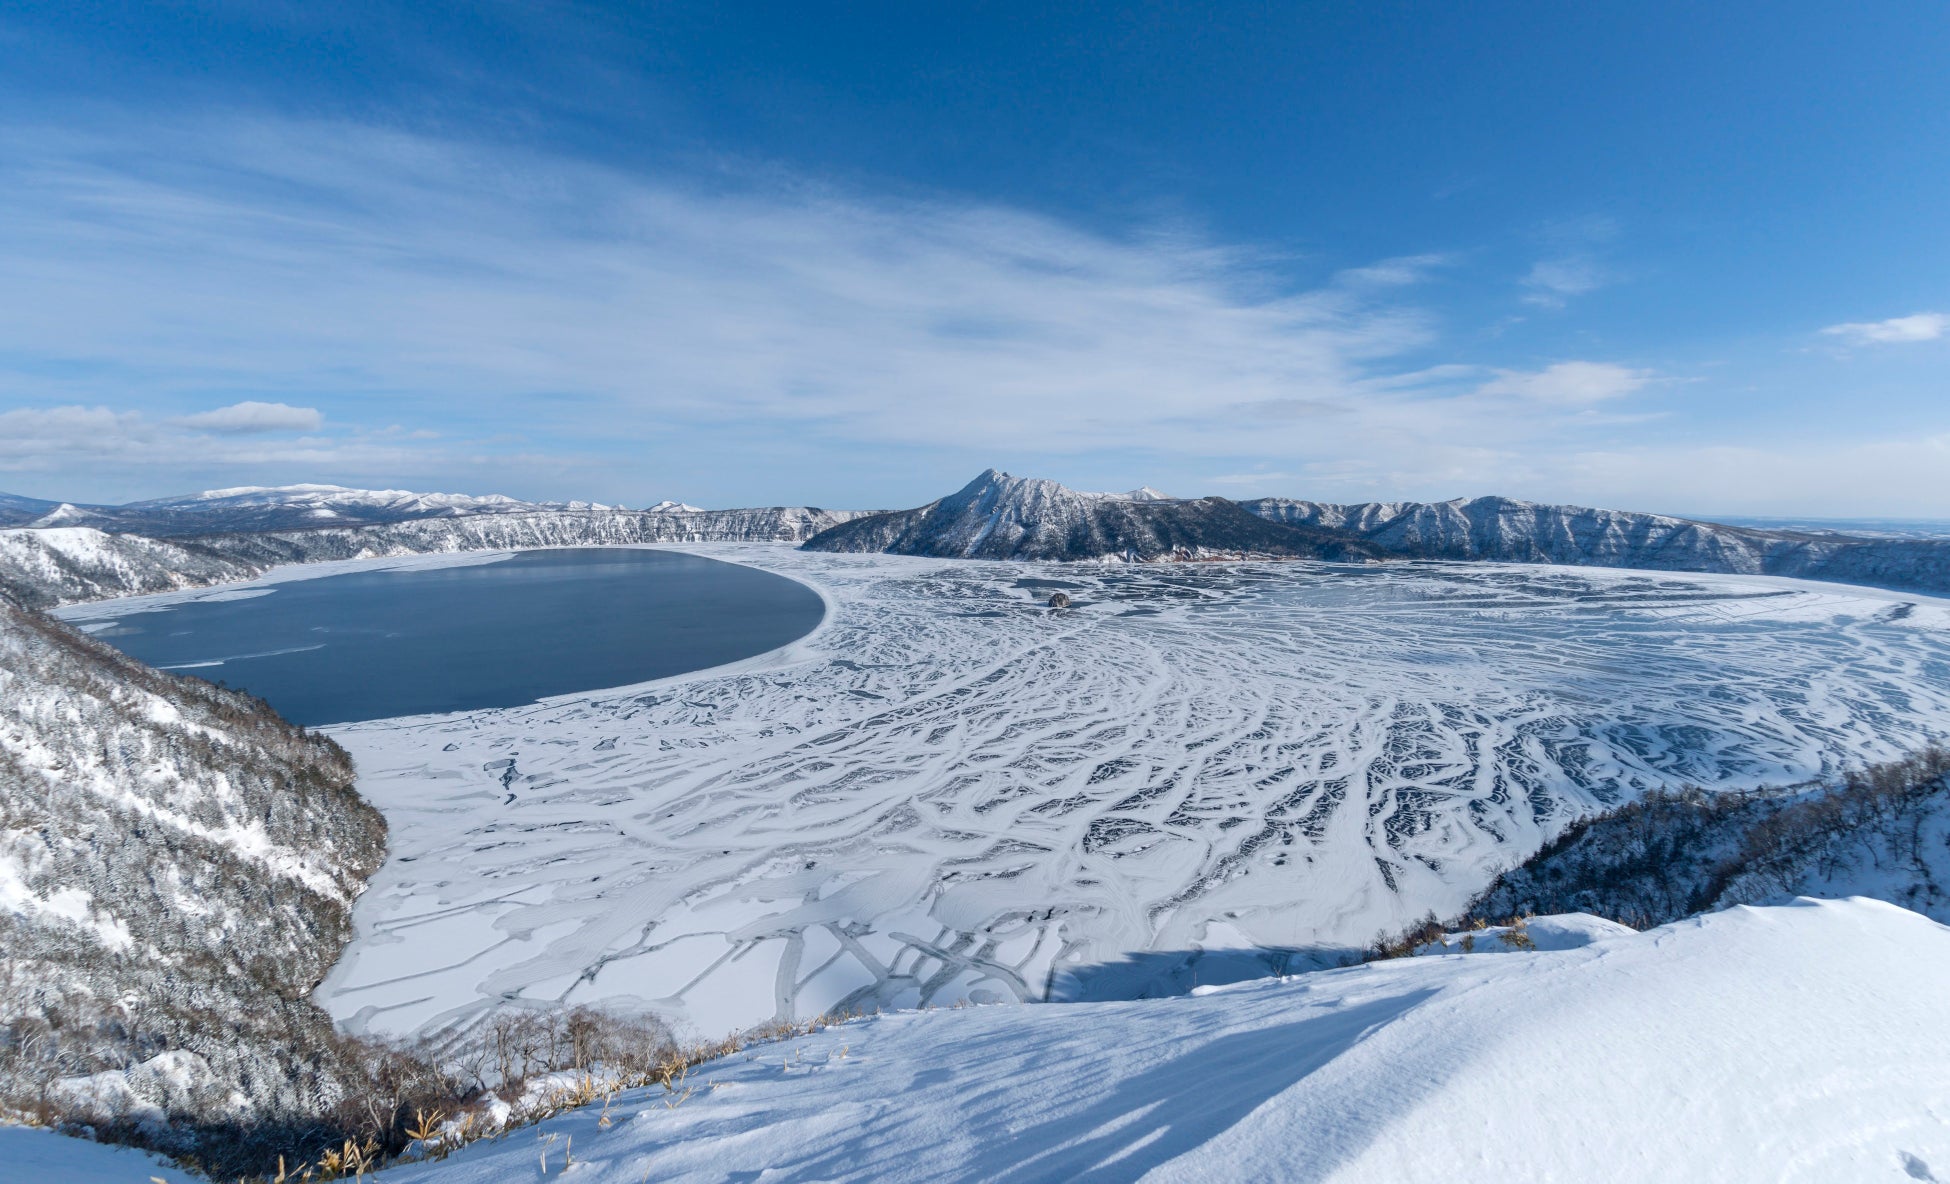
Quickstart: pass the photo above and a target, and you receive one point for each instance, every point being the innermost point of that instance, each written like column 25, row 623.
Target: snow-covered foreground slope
column 30, row 1154
column 1801, row 1043
column 1195, row 775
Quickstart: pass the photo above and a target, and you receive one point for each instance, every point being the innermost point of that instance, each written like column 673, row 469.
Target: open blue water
column 373, row 644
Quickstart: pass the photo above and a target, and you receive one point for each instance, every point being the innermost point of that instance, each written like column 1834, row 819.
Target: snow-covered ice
column 1800, row 1044
column 1198, row 774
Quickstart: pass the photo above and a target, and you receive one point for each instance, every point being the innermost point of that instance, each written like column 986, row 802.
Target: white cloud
column 476, row 285
column 356, row 263
column 251, row 416
column 1922, row 326
column 1551, row 282
column 1398, row 272
column 67, row 438
column 1568, row 383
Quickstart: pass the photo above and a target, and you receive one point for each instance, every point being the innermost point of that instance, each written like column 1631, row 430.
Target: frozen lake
column 1198, row 773
column 400, row 640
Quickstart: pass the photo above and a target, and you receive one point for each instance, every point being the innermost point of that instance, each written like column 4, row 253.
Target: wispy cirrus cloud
column 1922, row 326
column 59, row 439
column 259, row 301
column 1568, row 384
column 341, row 274
column 1551, row 283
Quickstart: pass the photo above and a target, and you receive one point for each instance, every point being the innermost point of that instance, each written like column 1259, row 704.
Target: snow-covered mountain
column 997, row 516
column 47, row 567
column 18, row 511
column 177, row 869
column 1507, row 530
column 283, row 507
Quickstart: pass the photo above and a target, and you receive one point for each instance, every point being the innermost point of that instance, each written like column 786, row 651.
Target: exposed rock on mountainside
column 1882, row 832
column 1507, row 530
column 66, row 565
column 177, row 870
column 997, row 516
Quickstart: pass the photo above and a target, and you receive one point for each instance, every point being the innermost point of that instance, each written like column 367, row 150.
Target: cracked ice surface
column 1199, row 772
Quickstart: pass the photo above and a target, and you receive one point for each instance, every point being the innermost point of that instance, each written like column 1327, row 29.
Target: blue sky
column 1671, row 257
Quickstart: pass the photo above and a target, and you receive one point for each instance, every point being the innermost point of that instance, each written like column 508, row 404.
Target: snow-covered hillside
column 1881, row 832
column 177, row 868
column 997, row 516
column 46, row 567
column 949, row 792
column 1794, row 1045
column 1502, row 529
column 51, row 567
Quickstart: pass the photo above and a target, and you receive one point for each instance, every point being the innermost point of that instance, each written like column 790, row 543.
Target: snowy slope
column 949, row 792
column 29, row 1154
column 1797, row 1044
column 1881, row 832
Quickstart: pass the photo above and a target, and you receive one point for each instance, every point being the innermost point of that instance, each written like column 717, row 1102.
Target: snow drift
column 1795, row 1043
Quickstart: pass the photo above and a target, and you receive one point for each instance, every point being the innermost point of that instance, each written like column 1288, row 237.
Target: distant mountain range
column 229, row 534
column 997, row 516
column 284, row 507
column 48, row 566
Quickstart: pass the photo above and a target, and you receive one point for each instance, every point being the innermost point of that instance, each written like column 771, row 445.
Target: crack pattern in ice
column 949, row 792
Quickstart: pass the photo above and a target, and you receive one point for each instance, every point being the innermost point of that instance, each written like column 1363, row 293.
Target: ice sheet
column 948, row 788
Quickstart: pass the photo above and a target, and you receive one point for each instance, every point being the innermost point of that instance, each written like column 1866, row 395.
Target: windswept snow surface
column 36, row 1154
column 1198, row 774
column 1803, row 1043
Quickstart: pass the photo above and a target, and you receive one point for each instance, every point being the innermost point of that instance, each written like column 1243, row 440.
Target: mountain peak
column 1001, row 516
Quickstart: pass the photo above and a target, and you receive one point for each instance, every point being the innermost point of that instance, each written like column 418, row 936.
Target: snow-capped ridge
column 65, row 514
column 63, row 565
column 250, row 508
column 1000, row 516
column 1509, row 530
